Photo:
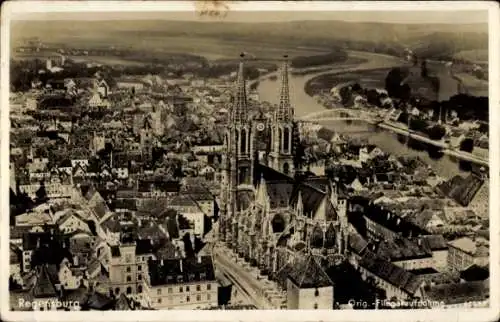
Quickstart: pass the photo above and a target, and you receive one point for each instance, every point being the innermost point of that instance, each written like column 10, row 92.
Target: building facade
column 267, row 210
column 181, row 284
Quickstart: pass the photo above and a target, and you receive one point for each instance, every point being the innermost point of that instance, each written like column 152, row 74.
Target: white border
column 491, row 314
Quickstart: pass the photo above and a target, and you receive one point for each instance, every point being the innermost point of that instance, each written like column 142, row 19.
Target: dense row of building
column 126, row 229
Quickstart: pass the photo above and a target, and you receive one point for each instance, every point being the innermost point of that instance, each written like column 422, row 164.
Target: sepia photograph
column 228, row 156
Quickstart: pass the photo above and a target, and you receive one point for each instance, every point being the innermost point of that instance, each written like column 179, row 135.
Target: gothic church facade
column 281, row 215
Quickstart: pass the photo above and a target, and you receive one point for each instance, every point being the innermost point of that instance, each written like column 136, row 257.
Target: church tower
column 238, row 160
column 282, row 127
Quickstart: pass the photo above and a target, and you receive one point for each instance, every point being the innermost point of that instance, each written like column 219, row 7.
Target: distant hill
column 378, row 37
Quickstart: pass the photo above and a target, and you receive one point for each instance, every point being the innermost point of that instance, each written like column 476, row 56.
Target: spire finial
column 285, row 112
column 239, row 109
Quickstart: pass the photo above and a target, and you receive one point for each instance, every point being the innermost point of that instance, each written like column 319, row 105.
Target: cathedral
column 271, row 214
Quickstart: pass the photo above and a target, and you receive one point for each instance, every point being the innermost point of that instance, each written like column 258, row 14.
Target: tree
column 467, row 145
column 393, row 83
column 41, row 194
column 13, row 284
column 436, row 132
column 418, row 125
column 484, row 128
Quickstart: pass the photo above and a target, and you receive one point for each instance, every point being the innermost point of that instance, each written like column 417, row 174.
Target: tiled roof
column 357, row 243
column 174, row 271
column 93, row 265
column 400, row 249
column 98, row 301
column 112, row 224
column 458, row 292
column 151, row 232
column 391, row 273
column 393, row 222
column 79, row 295
column 469, row 246
column 461, row 189
column 167, row 251
column 45, row 282
column 320, row 183
column 432, row 242
column 98, row 205
column 80, row 246
column 270, row 174
column 129, row 204
column 279, row 193
column 312, row 199
column 306, row 272
column 182, row 200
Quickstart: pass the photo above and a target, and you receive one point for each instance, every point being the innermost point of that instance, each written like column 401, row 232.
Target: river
column 304, row 104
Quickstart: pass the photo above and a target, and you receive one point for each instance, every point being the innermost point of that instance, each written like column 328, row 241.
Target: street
column 263, row 293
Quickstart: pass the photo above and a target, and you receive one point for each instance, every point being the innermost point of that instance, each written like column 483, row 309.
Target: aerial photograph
column 249, row 160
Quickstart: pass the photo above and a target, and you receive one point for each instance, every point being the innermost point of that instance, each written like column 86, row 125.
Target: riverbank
column 445, row 166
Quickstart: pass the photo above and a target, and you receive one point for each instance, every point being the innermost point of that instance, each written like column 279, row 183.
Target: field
column 209, row 47
column 376, row 79
column 474, row 86
column 479, row 56
column 367, row 79
column 105, row 60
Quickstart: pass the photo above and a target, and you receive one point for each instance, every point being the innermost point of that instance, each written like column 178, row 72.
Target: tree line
column 335, row 56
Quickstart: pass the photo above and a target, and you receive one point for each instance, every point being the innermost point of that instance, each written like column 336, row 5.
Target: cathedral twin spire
column 285, row 111
column 239, row 111
column 240, row 107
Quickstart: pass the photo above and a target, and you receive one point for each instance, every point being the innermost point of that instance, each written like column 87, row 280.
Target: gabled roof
column 174, row 271
column 401, row 249
column 390, row 273
column 432, row 242
column 459, row 292
column 308, row 273
column 311, row 200
column 357, row 243
column 45, row 283
column 98, row 301
column 461, row 189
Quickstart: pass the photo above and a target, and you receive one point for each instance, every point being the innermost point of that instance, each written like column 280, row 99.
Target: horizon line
column 215, row 20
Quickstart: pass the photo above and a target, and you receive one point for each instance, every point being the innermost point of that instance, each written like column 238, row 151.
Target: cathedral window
column 243, row 145
column 280, row 139
column 286, row 168
column 286, row 140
